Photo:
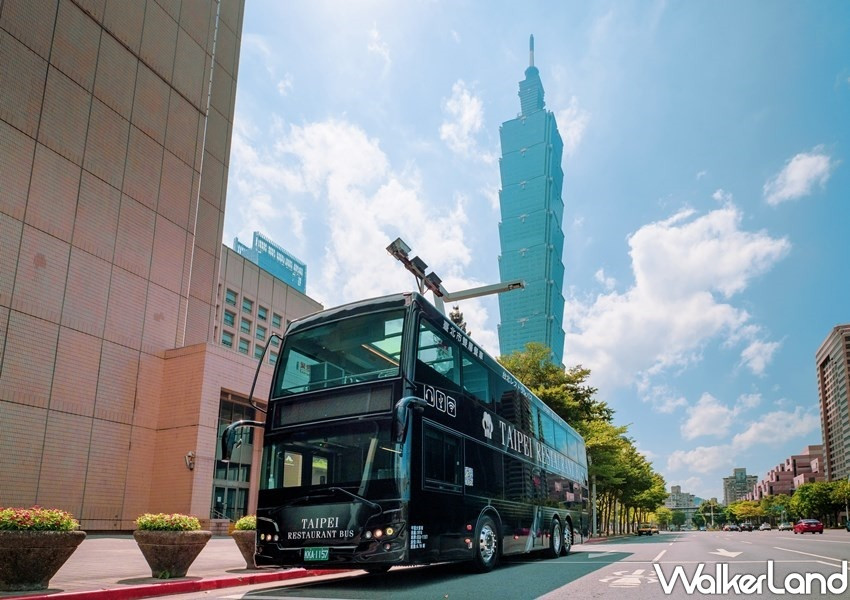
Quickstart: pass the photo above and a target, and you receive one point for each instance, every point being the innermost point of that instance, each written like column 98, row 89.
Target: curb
column 147, row 590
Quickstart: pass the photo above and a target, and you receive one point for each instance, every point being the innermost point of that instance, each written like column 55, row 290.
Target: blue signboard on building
column 274, row 259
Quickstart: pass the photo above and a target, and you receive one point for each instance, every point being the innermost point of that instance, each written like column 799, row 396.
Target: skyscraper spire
column 531, row 50
column 531, row 89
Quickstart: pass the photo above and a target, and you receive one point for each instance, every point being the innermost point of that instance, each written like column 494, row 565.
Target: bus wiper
column 330, row 491
column 368, row 503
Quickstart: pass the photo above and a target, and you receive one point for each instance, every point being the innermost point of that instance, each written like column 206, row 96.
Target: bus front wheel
column 555, row 539
column 485, row 545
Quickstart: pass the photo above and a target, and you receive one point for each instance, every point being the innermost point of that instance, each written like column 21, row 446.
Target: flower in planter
column 170, row 543
column 244, row 533
column 247, row 522
column 166, row 522
column 34, row 543
column 36, row 519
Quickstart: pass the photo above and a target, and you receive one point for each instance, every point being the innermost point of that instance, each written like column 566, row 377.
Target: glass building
column 274, row 259
column 530, row 234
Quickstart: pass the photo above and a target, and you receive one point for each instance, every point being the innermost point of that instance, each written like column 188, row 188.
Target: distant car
column 746, row 526
column 785, row 526
column 653, row 529
column 808, row 525
column 644, row 529
column 732, row 527
column 702, row 528
column 764, row 527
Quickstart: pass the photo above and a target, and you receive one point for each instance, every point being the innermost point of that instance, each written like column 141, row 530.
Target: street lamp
column 431, row 282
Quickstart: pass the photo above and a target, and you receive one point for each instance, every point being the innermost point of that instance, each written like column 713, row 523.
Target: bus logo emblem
column 487, row 424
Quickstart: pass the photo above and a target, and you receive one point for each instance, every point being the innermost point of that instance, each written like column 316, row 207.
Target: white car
column 764, row 527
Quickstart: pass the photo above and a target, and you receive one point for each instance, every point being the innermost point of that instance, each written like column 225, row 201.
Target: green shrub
column 246, row 522
column 36, row 519
column 166, row 522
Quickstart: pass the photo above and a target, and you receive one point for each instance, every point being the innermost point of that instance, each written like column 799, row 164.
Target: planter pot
column 171, row 553
column 28, row 559
column 246, row 541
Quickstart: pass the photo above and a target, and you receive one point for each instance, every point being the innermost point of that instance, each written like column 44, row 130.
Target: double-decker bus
column 392, row 438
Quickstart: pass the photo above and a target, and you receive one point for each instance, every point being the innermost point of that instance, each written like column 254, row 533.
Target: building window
column 272, row 358
column 230, row 297
column 229, row 318
column 244, row 345
column 247, row 305
column 276, row 320
column 275, row 341
column 258, row 351
column 262, row 313
column 261, row 333
column 245, row 326
column 227, row 339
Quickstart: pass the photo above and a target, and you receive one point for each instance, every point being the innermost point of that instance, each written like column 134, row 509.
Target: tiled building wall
column 112, row 180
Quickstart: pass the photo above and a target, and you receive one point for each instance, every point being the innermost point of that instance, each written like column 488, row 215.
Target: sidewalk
column 112, row 567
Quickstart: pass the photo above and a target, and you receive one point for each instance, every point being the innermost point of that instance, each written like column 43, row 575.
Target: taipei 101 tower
column 530, row 234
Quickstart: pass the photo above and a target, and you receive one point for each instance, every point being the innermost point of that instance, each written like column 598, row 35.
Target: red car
column 808, row 525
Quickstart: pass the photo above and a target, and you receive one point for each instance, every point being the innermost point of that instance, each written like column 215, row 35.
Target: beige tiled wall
column 102, row 114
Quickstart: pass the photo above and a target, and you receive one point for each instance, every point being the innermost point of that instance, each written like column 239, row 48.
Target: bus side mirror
column 402, row 410
column 228, row 437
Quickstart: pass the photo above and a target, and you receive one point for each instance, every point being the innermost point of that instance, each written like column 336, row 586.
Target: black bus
column 392, row 438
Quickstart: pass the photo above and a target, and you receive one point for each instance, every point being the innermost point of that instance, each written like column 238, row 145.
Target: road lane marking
column 660, row 554
column 726, row 553
column 750, row 543
column 838, row 560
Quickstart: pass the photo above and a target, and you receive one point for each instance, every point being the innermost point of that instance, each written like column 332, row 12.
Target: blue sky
column 705, row 188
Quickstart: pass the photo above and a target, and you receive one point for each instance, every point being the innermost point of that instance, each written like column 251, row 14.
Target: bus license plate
column 316, row 553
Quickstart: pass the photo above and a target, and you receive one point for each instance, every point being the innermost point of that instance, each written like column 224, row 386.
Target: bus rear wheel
column 555, row 539
column 485, row 545
column 568, row 538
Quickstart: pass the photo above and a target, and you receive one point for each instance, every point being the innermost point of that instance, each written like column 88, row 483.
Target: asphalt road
column 622, row 569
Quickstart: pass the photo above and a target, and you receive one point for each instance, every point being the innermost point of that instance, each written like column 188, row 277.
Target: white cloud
column 684, row 268
column 777, row 427
column 455, row 36
column 701, row 174
column 722, row 196
column 607, row 282
column 748, row 401
column 285, row 85
column 378, row 46
column 662, row 398
column 701, row 459
column 800, row 175
column 771, row 429
column 708, row 417
column 572, row 123
column 758, row 355
column 463, row 120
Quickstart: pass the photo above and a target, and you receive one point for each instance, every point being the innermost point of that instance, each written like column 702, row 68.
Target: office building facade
column 738, row 486
column 833, row 374
column 530, row 234
column 115, row 125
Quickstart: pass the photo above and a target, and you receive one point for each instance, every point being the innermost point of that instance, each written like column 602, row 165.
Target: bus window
column 441, row 457
column 572, row 447
column 561, row 440
column 437, row 352
column 475, row 380
column 485, row 465
column 547, row 429
column 581, row 453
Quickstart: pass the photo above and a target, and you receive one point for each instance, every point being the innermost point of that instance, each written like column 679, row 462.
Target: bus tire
column 567, row 544
column 556, row 539
column 485, row 546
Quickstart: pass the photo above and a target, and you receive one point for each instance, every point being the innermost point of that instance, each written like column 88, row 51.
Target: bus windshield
column 352, row 455
column 356, row 349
